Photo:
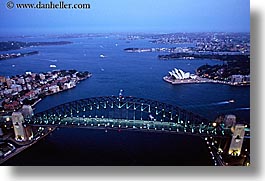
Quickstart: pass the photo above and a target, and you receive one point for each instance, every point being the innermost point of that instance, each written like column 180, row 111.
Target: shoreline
column 17, row 55
column 27, row 145
column 37, row 98
column 200, row 80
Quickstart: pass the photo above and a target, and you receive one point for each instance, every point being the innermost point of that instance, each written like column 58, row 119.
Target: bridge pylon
column 22, row 132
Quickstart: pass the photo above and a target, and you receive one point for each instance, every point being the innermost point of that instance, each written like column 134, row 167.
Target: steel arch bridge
column 113, row 112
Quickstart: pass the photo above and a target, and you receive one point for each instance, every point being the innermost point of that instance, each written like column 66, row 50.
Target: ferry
column 231, row 101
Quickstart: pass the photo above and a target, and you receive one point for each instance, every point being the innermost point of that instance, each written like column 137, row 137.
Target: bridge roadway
column 129, row 113
column 114, row 112
column 136, row 125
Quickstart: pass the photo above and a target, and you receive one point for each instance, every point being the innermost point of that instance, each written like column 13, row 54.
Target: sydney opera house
column 177, row 76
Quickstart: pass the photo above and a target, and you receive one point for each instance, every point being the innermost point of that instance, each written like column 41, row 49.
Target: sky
column 129, row 16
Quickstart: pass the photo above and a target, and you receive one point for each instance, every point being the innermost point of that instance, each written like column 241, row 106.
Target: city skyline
column 130, row 16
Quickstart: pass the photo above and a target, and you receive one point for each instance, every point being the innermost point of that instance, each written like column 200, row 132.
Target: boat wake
column 207, row 105
column 100, row 67
column 219, row 103
column 50, row 60
column 242, row 109
column 53, row 60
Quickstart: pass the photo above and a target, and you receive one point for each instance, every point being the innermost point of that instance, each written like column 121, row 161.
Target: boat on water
column 231, row 101
column 102, row 56
column 52, row 66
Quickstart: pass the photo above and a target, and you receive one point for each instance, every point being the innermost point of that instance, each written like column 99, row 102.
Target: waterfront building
column 21, row 80
column 8, row 82
column 2, row 79
column 236, row 79
column 30, row 94
column 54, row 88
column 246, row 78
column 55, row 76
column 179, row 74
column 42, row 76
column 33, row 75
column 28, row 79
column 69, row 85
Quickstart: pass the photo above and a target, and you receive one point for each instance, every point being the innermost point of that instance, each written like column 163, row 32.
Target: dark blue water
column 138, row 74
column 95, row 147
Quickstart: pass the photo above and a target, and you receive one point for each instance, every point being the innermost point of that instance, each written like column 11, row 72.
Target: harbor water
column 139, row 75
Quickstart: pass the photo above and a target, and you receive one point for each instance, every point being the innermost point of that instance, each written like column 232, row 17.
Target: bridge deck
column 127, row 112
column 102, row 123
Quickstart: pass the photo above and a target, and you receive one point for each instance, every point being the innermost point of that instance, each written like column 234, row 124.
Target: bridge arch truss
column 125, row 112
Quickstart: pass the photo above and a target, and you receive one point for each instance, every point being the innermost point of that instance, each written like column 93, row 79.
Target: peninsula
column 30, row 88
column 17, row 55
column 16, row 45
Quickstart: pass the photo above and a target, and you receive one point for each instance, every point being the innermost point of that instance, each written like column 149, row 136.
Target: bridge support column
column 237, row 140
column 22, row 133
